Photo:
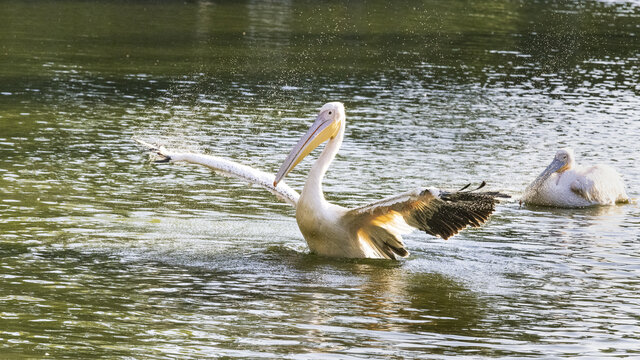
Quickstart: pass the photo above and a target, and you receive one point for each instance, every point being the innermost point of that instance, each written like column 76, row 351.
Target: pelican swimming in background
column 565, row 184
column 371, row 231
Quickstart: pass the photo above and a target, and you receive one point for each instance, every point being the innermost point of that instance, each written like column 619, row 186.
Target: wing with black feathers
column 438, row 213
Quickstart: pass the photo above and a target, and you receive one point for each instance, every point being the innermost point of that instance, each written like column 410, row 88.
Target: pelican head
column 563, row 161
column 326, row 126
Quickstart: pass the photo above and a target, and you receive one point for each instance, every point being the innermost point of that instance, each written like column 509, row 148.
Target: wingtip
column 158, row 150
column 165, row 159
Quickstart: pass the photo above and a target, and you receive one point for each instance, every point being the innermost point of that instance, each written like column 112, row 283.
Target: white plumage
column 565, row 184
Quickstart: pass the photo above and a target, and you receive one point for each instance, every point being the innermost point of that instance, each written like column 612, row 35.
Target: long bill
column 556, row 165
column 321, row 130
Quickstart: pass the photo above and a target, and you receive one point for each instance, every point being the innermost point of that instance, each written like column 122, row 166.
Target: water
column 106, row 255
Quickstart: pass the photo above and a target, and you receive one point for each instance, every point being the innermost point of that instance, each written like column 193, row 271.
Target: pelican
column 370, row 231
column 565, row 184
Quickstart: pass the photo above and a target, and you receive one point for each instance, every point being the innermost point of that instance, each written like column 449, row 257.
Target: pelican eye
column 330, row 112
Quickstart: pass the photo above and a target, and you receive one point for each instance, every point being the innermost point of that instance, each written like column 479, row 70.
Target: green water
column 105, row 255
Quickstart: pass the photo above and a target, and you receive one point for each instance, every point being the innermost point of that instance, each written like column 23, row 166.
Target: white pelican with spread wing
column 565, row 184
column 371, row 231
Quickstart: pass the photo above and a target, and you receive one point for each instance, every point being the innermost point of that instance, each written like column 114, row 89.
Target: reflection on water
column 104, row 254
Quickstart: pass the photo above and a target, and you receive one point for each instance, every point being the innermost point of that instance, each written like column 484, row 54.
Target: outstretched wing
column 435, row 212
column 227, row 168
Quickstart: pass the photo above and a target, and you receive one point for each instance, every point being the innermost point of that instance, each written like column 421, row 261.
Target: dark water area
column 104, row 254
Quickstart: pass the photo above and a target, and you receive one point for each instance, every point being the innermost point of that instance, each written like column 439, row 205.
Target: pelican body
column 565, row 184
column 320, row 222
column 374, row 230
column 371, row 231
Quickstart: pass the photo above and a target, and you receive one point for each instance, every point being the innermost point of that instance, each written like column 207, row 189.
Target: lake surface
column 104, row 254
